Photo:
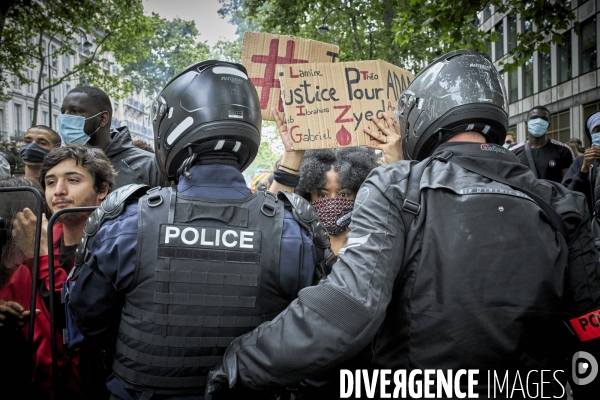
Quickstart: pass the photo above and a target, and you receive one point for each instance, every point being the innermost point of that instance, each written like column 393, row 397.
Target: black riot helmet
column 461, row 91
column 210, row 111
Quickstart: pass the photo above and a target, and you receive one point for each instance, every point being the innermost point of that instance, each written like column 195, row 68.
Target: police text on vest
column 185, row 236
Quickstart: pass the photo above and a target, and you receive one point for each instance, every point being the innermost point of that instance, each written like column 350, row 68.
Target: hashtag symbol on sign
column 271, row 60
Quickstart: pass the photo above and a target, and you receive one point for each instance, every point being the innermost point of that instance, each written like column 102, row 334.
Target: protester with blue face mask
column 584, row 171
column 37, row 142
column 547, row 158
column 86, row 119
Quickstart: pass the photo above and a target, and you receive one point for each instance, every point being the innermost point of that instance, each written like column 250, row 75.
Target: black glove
column 217, row 384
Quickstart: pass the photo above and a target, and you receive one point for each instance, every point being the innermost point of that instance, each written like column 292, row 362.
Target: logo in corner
column 492, row 148
column 584, row 368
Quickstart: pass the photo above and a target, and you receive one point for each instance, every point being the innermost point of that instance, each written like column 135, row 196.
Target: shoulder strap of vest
column 111, row 207
column 306, row 216
column 411, row 206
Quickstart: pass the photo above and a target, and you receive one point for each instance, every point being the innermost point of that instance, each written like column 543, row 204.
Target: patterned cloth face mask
column 335, row 213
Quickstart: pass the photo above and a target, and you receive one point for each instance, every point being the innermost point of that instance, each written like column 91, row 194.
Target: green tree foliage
column 408, row 33
column 115, row 26
column 443, row 25
column 173, row 46
column 362, row 29
column 225, row 50
column 265, row 160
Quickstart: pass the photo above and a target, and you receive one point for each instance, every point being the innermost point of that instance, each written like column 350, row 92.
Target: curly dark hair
column 352, row 165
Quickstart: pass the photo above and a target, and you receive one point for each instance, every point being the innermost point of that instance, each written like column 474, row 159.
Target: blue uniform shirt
column 99, row 295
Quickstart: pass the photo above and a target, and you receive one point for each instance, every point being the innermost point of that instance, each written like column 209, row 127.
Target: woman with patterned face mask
column 330, row 179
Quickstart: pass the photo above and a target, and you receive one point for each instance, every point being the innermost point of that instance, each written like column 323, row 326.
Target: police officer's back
column 439, row 273
column 186, row 269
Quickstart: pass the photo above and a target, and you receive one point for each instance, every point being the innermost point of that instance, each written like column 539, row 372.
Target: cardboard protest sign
column 263, row 52
column 328, row 105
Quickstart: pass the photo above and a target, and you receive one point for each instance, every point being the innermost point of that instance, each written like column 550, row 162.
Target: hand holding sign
column 291, row 160
column 388, row 138
column 327, row 105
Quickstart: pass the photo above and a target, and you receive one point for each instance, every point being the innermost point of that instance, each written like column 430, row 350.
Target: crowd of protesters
column 86, row 160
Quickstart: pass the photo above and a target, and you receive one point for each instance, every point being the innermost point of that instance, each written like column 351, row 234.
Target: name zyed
column 228, row 238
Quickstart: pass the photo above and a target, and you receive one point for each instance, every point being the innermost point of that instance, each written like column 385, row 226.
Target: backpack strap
column 411, row 207
column 111, row 207
column 530, row 160
column 306, row 216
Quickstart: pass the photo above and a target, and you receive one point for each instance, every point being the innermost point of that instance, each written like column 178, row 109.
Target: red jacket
column 18, row 289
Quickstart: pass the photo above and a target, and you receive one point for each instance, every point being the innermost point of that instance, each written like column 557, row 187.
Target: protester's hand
column 217, row 385
column 291, row 159
column 387, row 138
column 23, row 233
column 13, row 315
column 292, row 156
column 588, row 158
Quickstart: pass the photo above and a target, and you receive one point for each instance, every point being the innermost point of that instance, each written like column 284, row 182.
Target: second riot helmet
column 461, row 91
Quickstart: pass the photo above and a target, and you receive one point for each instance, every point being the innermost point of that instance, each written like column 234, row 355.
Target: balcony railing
column 135, row 104
column 139, row 129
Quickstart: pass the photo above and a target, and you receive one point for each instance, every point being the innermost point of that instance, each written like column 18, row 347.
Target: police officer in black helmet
column 181, row 272
column 438, row 271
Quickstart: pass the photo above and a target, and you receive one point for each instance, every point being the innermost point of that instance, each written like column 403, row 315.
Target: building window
column 588, row 45
column 512, row 32
column 500, row 43
column 488, row 47
column 54, row 57
column 545, row 71
column 45, row 117
column 513, row 81
column 528, row 78
column 18, row 121
column 30, row 85
column 30, row 115
column 565, row 59
column 66, row 63
column 560, row 127
column 55, row 120
column 487, row 11
column 2, row 122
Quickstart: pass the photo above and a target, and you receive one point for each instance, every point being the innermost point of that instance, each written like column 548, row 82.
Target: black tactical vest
column 207, row 271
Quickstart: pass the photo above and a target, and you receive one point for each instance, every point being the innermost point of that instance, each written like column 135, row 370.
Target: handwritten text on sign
column 263, row 52
column 328, row 105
